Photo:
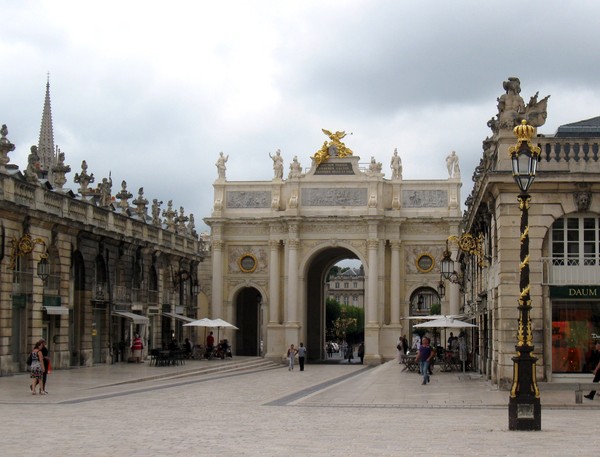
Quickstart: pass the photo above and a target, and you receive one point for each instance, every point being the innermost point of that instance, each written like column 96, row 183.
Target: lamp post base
column 524, row 414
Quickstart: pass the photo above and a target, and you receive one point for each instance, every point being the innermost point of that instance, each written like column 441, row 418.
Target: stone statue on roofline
column 396, row 165
column 333, row 148
column 221, row 168
column 32, row 172
column 141, row 204
column 123, row 196
column 169, row 214
column 512, row 109
column 277, row 164
column 60, row 170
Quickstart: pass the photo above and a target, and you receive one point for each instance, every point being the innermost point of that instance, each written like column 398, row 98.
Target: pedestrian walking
column 46, row 361
column 361, row 352
column 329, row 349
column 37, row 368
column 350, row 353
column 400, row 348
column 301, row 356
column 594, row 362
column 423, row 358
column 291, row 354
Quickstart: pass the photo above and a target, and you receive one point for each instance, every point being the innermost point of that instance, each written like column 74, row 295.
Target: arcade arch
column 316, row 268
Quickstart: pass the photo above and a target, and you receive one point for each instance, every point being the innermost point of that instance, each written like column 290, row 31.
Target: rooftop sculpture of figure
column 452, row 165
column 396, row 165
column 277, row 164
column 295, row 168
column 105, row 188
column 221, row 168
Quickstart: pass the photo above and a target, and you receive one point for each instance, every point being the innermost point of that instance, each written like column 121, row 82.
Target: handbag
column 29, row 360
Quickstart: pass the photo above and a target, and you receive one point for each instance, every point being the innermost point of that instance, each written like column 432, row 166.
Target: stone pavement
column 262, row 409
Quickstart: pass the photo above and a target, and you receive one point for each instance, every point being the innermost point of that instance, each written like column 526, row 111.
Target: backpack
column 29, row 360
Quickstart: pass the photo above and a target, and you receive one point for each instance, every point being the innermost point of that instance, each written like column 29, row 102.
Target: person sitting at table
column 210, row 341
column 173, row 345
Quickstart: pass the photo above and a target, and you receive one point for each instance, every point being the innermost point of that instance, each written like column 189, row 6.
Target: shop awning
column 56, row 310
column 136, row 318
column 180, row 317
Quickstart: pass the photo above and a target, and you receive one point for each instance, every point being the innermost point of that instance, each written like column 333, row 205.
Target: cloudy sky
column 153, row 91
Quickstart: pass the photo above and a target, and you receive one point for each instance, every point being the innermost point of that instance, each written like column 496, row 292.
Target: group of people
column 40, row 366
column 292, row 352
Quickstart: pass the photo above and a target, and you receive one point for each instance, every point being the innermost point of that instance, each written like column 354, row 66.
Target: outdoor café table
column 409, row 362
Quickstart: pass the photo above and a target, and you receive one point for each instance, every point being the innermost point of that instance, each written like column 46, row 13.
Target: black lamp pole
column 524, row 408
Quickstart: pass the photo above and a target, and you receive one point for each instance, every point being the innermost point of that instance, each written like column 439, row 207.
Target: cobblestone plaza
column 262, row 409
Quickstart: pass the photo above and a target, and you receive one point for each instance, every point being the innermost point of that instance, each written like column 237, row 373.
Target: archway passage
column 248, row 337
column 315, row 298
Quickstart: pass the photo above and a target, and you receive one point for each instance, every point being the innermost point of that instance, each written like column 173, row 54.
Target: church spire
column 46, row 141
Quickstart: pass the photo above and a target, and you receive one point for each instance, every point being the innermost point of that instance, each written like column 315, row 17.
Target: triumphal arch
column 274, row 241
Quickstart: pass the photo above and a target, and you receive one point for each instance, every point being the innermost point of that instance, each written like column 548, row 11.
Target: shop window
column 575, row 327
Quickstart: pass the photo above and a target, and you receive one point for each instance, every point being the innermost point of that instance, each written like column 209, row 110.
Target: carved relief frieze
column 248, row 199
column 424, row 198
column 334, row 197
column 259, row 253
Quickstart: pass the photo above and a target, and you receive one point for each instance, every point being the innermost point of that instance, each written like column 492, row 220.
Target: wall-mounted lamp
column 441, row 289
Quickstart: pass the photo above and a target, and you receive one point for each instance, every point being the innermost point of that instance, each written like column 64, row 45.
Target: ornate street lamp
column 524, row 408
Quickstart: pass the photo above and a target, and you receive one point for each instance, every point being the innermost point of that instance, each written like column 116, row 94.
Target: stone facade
column 113, row 269
column 564, row 240
column 273, row 242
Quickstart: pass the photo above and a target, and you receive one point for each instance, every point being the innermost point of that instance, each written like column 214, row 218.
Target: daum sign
column 575, row 292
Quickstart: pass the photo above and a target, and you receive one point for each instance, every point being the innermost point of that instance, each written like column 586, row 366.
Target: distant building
column 347, row 287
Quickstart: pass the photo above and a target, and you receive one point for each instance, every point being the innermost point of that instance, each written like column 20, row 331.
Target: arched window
column 422, row 299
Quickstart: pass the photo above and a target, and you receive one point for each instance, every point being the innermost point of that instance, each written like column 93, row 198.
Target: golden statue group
column 333, row 148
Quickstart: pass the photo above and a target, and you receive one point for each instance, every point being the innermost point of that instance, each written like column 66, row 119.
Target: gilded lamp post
column 524, row 409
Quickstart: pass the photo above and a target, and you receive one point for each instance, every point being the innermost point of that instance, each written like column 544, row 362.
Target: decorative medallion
column 425, row 263
column 247, row 262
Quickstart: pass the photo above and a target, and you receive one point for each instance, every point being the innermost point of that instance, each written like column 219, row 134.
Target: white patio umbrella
column 204, row 322
column 220, row 323
column 445, row 322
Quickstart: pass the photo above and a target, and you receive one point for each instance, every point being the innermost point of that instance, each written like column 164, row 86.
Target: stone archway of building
column 319, row 265
column 248, row 319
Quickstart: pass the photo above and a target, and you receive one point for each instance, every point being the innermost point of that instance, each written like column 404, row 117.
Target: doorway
column 248, row 320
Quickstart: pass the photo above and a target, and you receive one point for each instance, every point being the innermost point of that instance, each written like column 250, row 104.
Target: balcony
column 575, row 271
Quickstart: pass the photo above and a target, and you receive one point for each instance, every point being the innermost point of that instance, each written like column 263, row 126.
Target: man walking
column 301, row 356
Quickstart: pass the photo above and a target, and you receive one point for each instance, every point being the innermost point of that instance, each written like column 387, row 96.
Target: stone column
column 274, row 274
column 291, row 315
column 395, row 283
column 217, row 279
column 372, row 300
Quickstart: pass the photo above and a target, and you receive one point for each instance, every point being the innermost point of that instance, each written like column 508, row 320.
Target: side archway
column 249, row 338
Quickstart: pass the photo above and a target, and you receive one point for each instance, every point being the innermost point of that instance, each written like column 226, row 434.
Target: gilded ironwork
column 524, row 133
column 333, row 148
column 472, row 245
column 25, row 245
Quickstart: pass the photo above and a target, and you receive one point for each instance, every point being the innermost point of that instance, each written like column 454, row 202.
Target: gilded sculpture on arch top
column 333, row 148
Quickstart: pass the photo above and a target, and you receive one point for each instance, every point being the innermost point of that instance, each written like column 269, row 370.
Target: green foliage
column 435, row 309
column 344, row 322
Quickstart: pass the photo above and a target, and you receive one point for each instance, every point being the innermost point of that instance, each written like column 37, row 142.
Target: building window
column 337, row 285
column 575, row 241
column 346, row 285
column 345, row 299
column 355, row 285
